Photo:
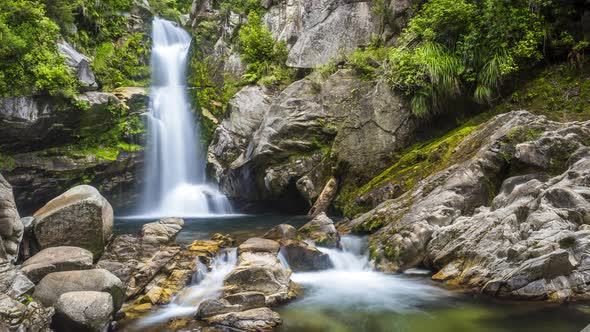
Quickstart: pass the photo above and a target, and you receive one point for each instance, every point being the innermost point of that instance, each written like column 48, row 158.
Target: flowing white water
column 206, row 285
column 175, row 173
column 354, row 284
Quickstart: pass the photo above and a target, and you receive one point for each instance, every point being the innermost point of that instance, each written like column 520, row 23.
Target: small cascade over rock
column 175, row 173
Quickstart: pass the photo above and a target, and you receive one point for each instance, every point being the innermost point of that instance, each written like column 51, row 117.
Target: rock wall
column 509, row 217
column 284, row 147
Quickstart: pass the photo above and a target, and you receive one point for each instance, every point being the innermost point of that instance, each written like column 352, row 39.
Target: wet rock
column 262, row 272
column 214, row 307
column 260, row 319
column 282, row 232
column 79, row 217
column 53, row 285
column 11, row 228
column 56, row 259
column 83, row 311
column 321, row 231
column 163, row 231
column 224, row 240
column 303, row 257
column 16, row 316
column 257, row 244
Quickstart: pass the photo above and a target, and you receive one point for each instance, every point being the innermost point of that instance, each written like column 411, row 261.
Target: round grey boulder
column 83, row 312
column 56, row 259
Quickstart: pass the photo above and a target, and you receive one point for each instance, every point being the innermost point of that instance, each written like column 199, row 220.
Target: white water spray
column 175, row 172
column 354, row 284
column 206, row 285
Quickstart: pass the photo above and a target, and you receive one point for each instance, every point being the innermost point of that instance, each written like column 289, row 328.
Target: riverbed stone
column 83, row 311
column 321, row 231
column 257, row 244
column 260, row 319
column 281, row 232
column 53, row 285
column 56, row 259
column 304, row 257
column 163, row 231
column 79, row 217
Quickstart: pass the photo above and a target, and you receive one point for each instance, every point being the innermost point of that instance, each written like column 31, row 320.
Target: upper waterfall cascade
column 175, row 171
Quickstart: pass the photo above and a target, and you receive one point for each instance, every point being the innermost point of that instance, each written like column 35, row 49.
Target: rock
column 11, row 228
column 230, row 139
column 84, row 311
column 285, row 161
column 257, row 244
column 247, row 300
column 325, row 199
column 79, row 217
column 163, row 231
column 303, row 257
column 260, row 272
column 507, row 217
column 281, row 232
column 80, row 63
column 223, row 240
column 49, row 290
column 321, row 231
column 16, row 316
column 260, row 319
column 56, row 259
column 214, row 307
column 13, row 282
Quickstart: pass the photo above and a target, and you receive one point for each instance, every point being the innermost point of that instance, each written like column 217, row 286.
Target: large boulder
column 79, row 217
column 321, row 231
column 56, row 259
column 11, row 228
column 163, row 231
column 83, row 311
column 508, row 216
column 31, row 317
column 49, row 290
column 259, row 270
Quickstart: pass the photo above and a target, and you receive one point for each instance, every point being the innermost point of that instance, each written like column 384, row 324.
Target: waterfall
column 175, row 164
column 354, row 284
column 206, row 285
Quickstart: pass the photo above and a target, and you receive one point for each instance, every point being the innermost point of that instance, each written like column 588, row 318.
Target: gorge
column 294, row 165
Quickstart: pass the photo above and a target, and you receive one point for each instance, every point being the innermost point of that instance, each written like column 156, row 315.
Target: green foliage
column 29, row 61
column 123, row 65
column 454, row 48
column 367, row 62
column 264, row 57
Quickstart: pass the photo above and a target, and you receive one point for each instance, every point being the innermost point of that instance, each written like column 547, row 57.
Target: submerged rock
column 507, row 217
column 321, row 231
column 11, row 228
column 56, row 259
column 281, row 232
column 260, row 319
column 79, row 217
column 52, row 286
column 83, row 311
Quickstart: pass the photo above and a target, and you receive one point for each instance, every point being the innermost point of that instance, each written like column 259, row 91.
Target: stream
column 354, row 297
